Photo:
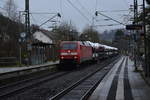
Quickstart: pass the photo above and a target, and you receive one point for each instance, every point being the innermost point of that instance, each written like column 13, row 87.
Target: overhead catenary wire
column 61, row 8
column 111, row 18
column 86, row 11
column 48, row 20
column 83, row 7
column 96, row 5
column 106, row 25
column 34, row 19
column 128, row 15
column 126, row 3
column 114, row 11
column 42, row 13
column 78, row 10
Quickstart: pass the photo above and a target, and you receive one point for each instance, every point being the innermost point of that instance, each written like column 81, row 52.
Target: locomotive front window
column 71, row 46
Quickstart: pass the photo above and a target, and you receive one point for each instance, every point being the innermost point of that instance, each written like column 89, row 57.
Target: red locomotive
column 75, row 52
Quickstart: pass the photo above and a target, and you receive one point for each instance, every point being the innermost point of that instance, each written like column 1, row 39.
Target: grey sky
column 87, row 7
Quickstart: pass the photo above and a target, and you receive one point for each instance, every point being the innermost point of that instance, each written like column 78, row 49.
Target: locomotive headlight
column 75, row 57
column 62, row 57
column 74, row 53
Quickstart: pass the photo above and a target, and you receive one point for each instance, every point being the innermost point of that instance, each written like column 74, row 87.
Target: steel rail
column 27, row 85
column 67, row 90
column 90, row 91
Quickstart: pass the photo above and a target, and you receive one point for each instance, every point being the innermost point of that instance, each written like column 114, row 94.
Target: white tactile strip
column 114, row 85
column 120, row 88
column 130, row 86
column 103, row 89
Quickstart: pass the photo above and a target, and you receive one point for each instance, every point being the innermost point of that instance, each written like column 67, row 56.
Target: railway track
column 84, row 87
column 14, row 88
column 24, row 85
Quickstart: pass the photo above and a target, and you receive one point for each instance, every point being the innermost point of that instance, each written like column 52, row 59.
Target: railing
column 8, row 61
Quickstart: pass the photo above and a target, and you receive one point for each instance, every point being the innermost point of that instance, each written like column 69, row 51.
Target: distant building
column 43, row 36
column 43, row 45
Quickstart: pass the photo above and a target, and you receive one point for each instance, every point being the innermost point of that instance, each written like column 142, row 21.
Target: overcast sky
column 73, row 13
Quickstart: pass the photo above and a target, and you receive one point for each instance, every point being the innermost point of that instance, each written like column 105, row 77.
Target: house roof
column 42, row 37
column 49, row 34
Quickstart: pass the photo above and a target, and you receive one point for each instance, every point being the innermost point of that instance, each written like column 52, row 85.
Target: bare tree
column 90, row 34
column 66, row 32
column 11, row 10
column 9, row 29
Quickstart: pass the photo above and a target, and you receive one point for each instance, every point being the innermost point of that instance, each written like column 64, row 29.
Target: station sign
column 134, row 27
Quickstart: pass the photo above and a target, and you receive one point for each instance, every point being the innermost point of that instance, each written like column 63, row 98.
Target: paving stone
column 139, row 89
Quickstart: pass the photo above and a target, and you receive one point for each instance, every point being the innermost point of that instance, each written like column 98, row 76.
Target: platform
column 122, row 83
column 11, row 69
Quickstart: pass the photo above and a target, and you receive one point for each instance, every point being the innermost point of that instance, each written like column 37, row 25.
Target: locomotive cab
column 69, row 52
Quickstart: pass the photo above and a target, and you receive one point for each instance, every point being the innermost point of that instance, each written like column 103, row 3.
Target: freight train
column 77, row 52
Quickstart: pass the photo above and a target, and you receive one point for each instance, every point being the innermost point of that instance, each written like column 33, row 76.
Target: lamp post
column 135, row 34
column 27, row 29
column 145, row 40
